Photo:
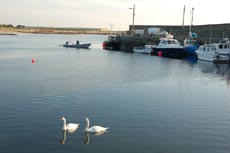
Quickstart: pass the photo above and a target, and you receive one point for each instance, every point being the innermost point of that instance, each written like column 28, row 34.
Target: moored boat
column 77, row 45
column 113, row 43
column 143, row 49
column 215, row 52
column 190, row 46
column 169, row 48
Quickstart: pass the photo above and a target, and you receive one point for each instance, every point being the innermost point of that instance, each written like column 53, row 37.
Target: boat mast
column 183, row 18
column 190, row 28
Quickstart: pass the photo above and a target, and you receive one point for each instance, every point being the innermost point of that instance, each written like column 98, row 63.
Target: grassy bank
column 53, row 30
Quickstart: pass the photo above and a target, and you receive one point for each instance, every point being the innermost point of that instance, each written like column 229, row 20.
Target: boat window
column 225, row 46
column 204, row 49
column 176, row 42
column 220, row 46
column 164, row 42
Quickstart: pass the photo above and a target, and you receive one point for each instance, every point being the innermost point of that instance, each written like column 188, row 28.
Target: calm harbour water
column 151, row 104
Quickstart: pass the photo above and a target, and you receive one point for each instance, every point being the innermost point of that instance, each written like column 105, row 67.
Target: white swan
column 94, row 129
column 71, row 127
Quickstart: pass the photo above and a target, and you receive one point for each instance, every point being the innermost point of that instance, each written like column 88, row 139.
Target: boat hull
column 191, row 49
column 178, row 53
column 77, row 45
column 215, row 58
column 147, row 49
column 111, row 45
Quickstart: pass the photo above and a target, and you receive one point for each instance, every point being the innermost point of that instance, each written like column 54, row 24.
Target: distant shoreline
column 50, row 30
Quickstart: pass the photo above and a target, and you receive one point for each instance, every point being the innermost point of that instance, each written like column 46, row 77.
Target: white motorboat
column 215, row 52
column 143, row 49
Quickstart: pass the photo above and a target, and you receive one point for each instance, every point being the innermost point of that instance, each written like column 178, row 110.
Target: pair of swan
column 72, row 127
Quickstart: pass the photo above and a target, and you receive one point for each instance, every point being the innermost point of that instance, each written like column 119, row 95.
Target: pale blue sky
column 99, row 13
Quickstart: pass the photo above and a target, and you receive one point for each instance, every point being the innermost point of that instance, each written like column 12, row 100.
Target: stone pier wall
column 204, row 32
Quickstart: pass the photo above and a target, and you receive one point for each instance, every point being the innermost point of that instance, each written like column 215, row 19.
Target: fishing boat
column 113, row 43
column 191, row 44
column 77, row 45
column 169, row 48
column 215, row 52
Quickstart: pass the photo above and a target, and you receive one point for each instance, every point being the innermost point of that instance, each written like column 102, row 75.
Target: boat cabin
column 215, row 47
column 209, row 47
column 224, row 46
column 169, row 42
column 190, row 42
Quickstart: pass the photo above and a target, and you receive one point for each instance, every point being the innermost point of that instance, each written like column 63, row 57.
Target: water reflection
column 191, row 59
column 87, row 136
column 222, row 70
column 63, row 140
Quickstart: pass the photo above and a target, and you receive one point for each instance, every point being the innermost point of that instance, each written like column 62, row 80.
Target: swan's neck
column 64, row 124
column 87, row 124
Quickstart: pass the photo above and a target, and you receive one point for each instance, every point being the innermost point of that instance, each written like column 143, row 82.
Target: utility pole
column 111, row 27
column 133, row 17
column 210, row 39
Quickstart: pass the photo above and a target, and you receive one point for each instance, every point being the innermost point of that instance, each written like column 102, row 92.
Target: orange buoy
column 160, row 53
column 33, row 60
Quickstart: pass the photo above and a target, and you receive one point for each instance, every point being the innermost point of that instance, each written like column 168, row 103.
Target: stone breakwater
column 213, row 32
